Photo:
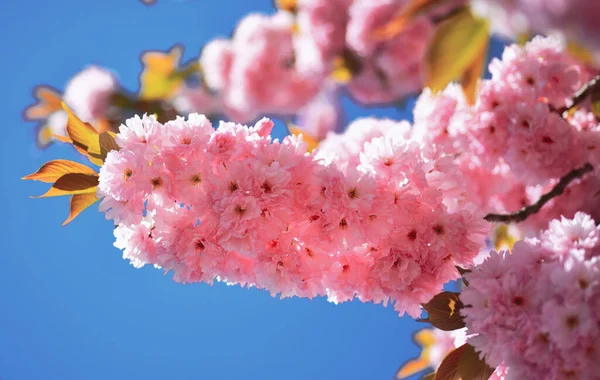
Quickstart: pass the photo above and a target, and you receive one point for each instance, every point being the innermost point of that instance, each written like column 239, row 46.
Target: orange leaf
column 84, row 137
column 54, row 192
column 79, row 203
column 48, row 102
column 412, row 367
column 311, row 141
column 43, row 135
column 405, row 16
column 287, row 5
column 53, row 170
column 79, row 132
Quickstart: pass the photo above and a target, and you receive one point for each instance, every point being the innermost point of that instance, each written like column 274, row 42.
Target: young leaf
column 448, row 370
column 444, row 311
column 107, row 143
column 472, row 74
column 72, row 184
column 407, row 13
column 79, row 203
column 48, row 102
column 158, row 79
column 84, row 137
column 456, row 45
column 287, row 5
column 345, row 67
column 471, row 367
column 311, row 141
column 595, row 99
column 53, row 170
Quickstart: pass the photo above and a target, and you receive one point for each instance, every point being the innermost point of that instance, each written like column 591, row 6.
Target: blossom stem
column 558, row 189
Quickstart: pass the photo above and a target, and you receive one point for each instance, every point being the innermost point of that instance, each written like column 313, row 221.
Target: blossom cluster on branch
column 234, row 205
column 513, row 144
column 537, row 310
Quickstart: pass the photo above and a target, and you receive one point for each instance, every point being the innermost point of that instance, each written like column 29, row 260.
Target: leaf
column 426, row 339
column 158, row 79
column 72, row 184
column 581, row 53
column 456, row 45
column 76, row 181
column 345, row 67
column 53, row 170
column 79, row 203
column 403, row 18
column 43, row 136
column 448, row 369
column 311, row 141
column 443, row 311
column 47, row 102
column 471, row 367
column 429, row 376
column 107, row 142
column 287, row 5
column 84, row 137
column 595, row 99
column 472, row 75
column 412, row 367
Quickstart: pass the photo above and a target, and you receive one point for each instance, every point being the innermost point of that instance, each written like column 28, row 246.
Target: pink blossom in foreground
column 232, row 204
column 537, row 310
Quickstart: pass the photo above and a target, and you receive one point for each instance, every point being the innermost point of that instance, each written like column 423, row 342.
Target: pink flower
column 88, row 93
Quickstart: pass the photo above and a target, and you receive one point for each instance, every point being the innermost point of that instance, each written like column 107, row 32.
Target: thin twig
column 582, row 94
column 558, row 189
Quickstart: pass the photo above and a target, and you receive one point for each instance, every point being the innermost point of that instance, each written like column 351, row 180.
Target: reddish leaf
column 448, row 370
column 53, row 170
column 471, row 367
column 444, row 311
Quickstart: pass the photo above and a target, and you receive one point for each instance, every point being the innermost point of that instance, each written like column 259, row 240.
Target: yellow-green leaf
column 473, row 73
column 456, row 45
column 159, row 79
column 53, row 170
column 79, row 203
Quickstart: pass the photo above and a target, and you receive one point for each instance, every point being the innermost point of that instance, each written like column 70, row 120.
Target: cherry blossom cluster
column 537, row 310
column 574, row 19
column 515, row 143
column 280, row 64
column 232, row 204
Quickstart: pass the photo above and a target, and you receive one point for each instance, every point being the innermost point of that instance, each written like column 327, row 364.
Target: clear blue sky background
column 72, row 308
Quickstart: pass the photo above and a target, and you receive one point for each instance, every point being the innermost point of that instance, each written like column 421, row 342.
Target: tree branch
column 558, row 189
column 582, row 94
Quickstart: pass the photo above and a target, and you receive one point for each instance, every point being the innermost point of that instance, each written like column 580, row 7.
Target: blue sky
column 72, row 308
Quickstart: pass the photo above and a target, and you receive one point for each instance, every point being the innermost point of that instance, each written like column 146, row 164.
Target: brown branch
column 582, row 94
column 558, row 189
